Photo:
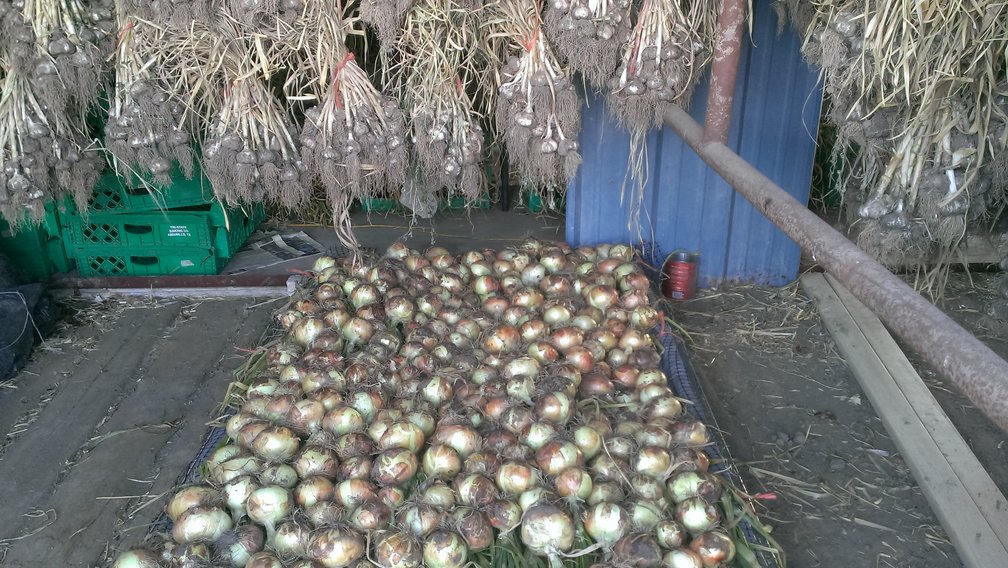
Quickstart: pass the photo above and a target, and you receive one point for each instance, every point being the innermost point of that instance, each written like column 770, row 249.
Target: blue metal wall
column 687, row 205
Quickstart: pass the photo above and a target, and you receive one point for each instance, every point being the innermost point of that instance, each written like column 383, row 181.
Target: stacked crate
column 36, row 249
column 134, row 227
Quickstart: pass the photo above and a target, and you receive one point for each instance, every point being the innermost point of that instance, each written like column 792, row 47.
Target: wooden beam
column 201, row 292
column 961, row 493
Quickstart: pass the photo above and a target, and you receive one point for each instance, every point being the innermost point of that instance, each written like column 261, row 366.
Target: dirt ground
column 800, row 428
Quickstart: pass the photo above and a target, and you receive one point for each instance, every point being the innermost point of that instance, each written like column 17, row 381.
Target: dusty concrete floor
column 107, row 415
column 111, row 411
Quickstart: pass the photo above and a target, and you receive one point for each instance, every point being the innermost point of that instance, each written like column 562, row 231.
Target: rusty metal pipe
column 951, row 350
column 724, row 70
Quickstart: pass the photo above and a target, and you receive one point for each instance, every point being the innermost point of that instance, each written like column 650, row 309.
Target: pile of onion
column 422, row 407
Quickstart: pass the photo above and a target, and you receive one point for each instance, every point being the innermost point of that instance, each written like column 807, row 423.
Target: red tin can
column 679, row 275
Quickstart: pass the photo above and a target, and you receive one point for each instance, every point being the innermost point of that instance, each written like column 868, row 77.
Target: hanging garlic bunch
column 386, row 17
column 589, row 34
column 661, row 64
column 146, row 130
column 538, row 111
column 436, row 48
column 353, row 139
column 52, row 56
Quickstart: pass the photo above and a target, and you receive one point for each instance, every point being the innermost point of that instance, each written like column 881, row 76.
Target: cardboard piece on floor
column 968, row 504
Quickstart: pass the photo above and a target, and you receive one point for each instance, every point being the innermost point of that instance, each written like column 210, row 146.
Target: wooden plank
column 971, row 472
column 196, row 293
column 915, row 424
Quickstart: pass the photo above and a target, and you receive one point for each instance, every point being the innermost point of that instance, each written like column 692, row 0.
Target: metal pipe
column 724, row 70
column 951, row 350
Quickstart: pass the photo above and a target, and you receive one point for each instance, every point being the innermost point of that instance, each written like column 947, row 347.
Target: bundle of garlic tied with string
column 251, row 153
column 437, row 49
column 146, row 130
column 51, row 56
column 586, row 34
column 353, row 140
column 662, row 62
column 40, row 155
column 538, row 111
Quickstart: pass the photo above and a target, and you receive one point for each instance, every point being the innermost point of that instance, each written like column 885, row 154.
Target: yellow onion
column 714, row 548
column 201, row 524
column 606, row 523
column 394, row 549
column 546, row 530
column 189, row 497
column 336, row 547
column 445, row 549
column 637, row 549
column 138, row 558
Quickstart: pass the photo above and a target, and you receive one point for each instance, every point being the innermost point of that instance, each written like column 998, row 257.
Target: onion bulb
column 419, row 520
column 441, row 461
column 371, row 516
column 697, row 515
column 138, row 558
column 351, row 493
column 546, row 530
column 669, row 534
column 606, row 523
column 504, row 515
column 638, row 549
column 276, row 444
column 694, row 484
column 189, row 497
column 291, row 540
column 475, row 528
column 574, row 483
column 394, row 467
column 201, row 524
column 237, row 547
column 682, row 558
column 515, row 477
column 438, row 495
column 336, row 547
column 313, row 489
column 281, row 475
column 316, row 460
column 445, row 549
column 463, row 439
column 393, row 549
column 714, row 548
column 236, row 493
column 268, row 506
column 475, row 490
column 558, row 455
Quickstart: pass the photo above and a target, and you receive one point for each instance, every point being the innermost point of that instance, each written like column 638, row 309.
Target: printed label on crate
column 187, row 263
column 179, row 231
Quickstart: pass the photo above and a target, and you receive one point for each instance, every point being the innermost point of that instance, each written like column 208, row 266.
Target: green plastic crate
column 212, row 226
column 460, row 202
column 152, row 261
column 380, row 205
column 114, row 194
column 37, row 249
column 534, row 203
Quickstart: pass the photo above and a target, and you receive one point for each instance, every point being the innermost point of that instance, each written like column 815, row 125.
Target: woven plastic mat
column 683, row 382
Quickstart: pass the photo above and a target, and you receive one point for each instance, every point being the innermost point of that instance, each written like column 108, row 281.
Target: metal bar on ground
column 951, row 350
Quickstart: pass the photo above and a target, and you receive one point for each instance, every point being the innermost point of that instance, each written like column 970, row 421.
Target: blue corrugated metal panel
column 687, row 205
